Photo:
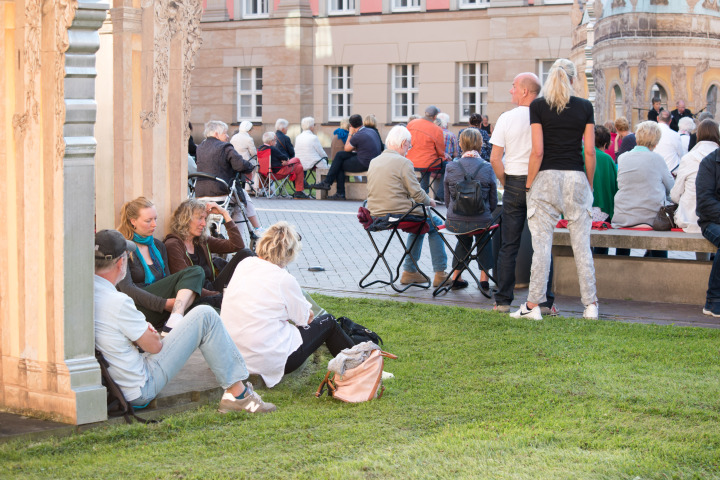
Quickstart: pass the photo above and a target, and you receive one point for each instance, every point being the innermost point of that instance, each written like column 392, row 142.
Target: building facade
column 331, row 58
column 635, row 50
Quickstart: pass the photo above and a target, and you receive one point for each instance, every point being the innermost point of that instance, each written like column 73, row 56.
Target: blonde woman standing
column 559, row 182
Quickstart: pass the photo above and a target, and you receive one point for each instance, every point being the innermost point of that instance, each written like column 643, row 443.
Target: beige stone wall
column 142, row 133
column 295, row 61
column 33, row 374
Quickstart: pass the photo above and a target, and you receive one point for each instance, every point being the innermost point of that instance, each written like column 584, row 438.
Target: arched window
column 658, row 91
column 712, row 100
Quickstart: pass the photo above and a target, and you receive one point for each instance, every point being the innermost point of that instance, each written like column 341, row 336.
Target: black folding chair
column 310, row 174
column 430, row 174
column 412, row 221
column 481, row 240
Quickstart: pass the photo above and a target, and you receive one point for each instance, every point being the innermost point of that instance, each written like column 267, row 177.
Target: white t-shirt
column 512, row 132
column 261, row 307
column 117, row 324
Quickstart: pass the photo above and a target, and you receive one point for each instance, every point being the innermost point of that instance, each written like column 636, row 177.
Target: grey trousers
column 555, row 193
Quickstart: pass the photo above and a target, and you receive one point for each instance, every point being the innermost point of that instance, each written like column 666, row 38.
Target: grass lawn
column 476, row 395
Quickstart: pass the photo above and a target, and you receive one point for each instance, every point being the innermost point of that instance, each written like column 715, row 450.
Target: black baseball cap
column 110, row 244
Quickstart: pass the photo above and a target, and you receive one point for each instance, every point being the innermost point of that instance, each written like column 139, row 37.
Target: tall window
column 544, row 67
column 336, row 7
column 340, row 92
column 473, row 89
column 473, row 3
column 249, row 103
column 405, row 5
column 255, row 8
column 404, row 91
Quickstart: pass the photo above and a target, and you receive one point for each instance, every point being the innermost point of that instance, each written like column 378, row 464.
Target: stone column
column 47, row 359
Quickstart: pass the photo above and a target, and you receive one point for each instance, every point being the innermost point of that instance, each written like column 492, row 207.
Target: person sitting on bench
column 367, row 145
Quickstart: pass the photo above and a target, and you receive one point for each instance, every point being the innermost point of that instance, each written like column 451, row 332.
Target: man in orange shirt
column 428, row 145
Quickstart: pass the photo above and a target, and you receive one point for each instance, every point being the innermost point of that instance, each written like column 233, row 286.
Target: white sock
column 173, row 320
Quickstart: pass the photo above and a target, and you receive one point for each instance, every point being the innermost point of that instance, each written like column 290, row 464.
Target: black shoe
column 459, row 284
column 485, row 286
column 306, row 185
column 301, row 196
column 321, row 186
column 337, row 196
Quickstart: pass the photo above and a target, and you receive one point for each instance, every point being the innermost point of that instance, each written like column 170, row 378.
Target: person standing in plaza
column 512, row 138
column 428, row 145
column 707, row 186
column 560, row 183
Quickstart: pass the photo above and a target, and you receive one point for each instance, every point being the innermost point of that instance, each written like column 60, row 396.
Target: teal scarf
column 154, row 255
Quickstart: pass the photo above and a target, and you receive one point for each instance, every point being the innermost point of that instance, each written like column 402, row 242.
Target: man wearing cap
column 428, row 145
column 121, row 333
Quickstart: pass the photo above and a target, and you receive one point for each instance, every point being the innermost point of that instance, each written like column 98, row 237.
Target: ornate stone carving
column 64, row 14
column 627, row 89
column 658, row 2
column 698, row 96
column 640, row 86
column 171, row 18
column 576, row 13
column 678, row 80
column 711, row 5
column 634, row 4
column 31, row 68
column 600, row 97
column 618, row 3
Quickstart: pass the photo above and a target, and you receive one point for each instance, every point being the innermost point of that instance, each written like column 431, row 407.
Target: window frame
column 350, row 7
column 541, row 71
column 480, row 89
column 254, row 92
column 412, row 90
column 344, row 72
column 415, row 7
column 263, row 14
column 466, row 5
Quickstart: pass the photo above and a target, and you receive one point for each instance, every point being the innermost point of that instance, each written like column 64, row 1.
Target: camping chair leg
column 407, row 250
column 380, row 256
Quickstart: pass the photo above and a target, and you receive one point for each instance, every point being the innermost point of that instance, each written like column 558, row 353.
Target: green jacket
column 604, row 183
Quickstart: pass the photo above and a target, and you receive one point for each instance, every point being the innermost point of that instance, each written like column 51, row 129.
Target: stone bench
column 637, row 278
column 354, row 190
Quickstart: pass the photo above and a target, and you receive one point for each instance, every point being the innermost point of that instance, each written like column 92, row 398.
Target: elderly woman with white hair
column 244, row 143
column 284, row 144
column 218, row 157
column 686, row 126
column 644, row 180
column 308, row 147
column 267, row 315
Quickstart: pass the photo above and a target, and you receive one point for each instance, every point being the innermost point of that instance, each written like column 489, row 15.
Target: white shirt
column 117, row 324
column 669, row 147
column 309, row 150
column 683, row 192
column 244, row 145
column 512, row 132
column 261, row 307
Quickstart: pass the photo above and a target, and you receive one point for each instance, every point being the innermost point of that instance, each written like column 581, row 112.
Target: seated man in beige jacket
column 392, row 189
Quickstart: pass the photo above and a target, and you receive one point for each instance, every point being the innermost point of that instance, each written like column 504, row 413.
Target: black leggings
column 323, row 329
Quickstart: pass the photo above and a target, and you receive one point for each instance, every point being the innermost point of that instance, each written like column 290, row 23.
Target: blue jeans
column 513, row 223
column 200, row 328
column 712, row 300
column 437, row 248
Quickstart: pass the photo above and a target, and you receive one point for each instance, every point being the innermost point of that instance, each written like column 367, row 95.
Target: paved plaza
column 334, row 239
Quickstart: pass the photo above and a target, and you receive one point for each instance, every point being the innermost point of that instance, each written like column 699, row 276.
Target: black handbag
column 357, row 332
column 665, row 218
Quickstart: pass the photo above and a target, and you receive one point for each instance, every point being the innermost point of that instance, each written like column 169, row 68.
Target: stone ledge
column 641, row 239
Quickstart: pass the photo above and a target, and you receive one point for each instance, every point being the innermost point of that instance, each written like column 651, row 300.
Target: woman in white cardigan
column 308, row 147
column 683, row 192
column 244, row 143
column 267, row 315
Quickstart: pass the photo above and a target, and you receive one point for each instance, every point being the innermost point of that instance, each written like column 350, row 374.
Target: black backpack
column 357, row 332
column 117, row 406
column 468, row 199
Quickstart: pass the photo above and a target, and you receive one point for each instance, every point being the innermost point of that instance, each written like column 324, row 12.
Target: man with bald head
column 512, row 139
column 679, row 112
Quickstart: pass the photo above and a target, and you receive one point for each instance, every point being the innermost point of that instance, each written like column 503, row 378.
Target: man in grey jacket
column 393, row 189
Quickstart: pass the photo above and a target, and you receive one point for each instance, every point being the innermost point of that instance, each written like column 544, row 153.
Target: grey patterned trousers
column 556, row 192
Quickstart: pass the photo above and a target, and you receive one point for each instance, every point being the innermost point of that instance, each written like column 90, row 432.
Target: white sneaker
column 251, row 403
column 523, row 312
column 591, row 312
